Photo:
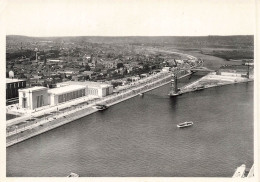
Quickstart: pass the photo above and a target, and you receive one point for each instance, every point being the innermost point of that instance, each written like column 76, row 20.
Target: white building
column 35, row 97
column 99, row 89
column 179, row 61
column 65, row 93
column 135, row 78
column 32, row 98
column 92, row 88
column 55, row 61
column 250, row 64
column 166, row 69
column 231, row 74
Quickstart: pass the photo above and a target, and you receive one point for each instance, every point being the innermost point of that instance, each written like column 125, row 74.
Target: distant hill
column 240, row 41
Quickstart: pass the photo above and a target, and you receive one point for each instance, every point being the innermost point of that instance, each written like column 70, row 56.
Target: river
column 139, row 137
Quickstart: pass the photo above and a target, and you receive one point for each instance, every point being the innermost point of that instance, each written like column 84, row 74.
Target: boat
column 240, row 172
column 200, row 87
column 174, row 94
column 101, row 107
column 73, row 175
column 141, row 94
column 185, row 124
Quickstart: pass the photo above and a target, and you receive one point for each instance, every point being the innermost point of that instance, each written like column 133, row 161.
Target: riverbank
column 62, row 117
column 121, row 136
column 25, row 130
column 212, row 80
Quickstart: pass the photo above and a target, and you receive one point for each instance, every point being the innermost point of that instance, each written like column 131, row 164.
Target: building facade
column 65, row 93
column 92, row 88
column 35, row 97
column 32, row 98
column 12, row 86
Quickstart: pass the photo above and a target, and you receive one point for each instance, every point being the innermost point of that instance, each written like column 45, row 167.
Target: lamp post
column 16, row 132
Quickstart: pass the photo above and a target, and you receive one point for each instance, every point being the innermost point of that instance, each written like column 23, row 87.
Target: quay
column 41, row 123
column 212, row 80
column 25, row 127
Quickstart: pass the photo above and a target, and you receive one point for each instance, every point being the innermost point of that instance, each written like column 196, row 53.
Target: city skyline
column 125, row 18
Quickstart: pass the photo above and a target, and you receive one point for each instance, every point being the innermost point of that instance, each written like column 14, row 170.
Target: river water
column 139, row 137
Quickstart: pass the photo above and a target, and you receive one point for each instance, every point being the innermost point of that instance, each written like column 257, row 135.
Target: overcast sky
column 129, row 17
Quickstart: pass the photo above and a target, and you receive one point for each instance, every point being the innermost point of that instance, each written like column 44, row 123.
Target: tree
column 87, row 67
column 146, row 68
column 120, row 65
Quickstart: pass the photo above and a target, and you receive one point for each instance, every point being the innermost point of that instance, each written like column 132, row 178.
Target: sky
column 128, row 17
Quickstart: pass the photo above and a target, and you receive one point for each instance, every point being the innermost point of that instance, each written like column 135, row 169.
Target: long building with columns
column 36, row 97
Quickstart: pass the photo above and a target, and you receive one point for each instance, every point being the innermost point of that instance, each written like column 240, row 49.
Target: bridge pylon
column 174, row 85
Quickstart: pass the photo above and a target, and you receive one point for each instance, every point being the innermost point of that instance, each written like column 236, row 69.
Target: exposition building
column 35, row 97
column 92, row 88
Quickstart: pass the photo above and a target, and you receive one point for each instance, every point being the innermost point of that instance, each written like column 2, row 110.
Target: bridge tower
column 174, row 85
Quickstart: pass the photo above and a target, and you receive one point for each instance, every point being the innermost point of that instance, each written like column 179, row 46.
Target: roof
column 55, row 60
column 33, row 89
column 9, row 80
column 65, row 89
column 86, row 83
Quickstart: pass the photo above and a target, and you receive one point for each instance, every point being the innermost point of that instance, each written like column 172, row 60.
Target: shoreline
column 85, row 111
column 110, row 101
column 77, row 114
column 82, row 109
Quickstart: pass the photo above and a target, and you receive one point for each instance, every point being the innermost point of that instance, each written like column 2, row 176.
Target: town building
column 12, row 86
column 166, row 69
column 55, row 61
column 134, row 78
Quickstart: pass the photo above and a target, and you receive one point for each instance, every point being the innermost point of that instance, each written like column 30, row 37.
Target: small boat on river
column 185, row 124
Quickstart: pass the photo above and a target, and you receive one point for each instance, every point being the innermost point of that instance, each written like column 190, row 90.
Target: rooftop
column 85, row 83
column 65, row 89
column 38, row 88
column 10, row 80
column 55, row 60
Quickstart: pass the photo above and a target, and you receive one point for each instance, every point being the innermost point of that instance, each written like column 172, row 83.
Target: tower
column 247, row 70
column 174, row 85
column 36, row 54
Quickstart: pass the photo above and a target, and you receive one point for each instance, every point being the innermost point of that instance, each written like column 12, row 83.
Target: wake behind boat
column 185, row 124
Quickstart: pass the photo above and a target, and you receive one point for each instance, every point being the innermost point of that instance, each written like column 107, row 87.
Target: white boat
column 185, row 124
column 101, row 107
column 240, row 172
column 73, row 175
